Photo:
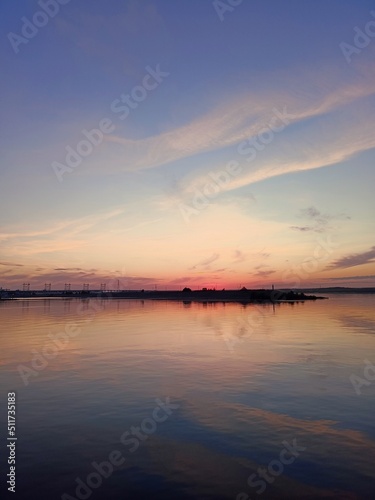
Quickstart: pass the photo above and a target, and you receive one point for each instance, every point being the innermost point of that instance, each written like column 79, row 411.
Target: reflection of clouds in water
column 232, row 331
column 205, row 472
column 213, row 464
column 257, row 429
column 235, row 329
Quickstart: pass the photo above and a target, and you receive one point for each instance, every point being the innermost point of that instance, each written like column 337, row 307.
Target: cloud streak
column 205, row 263
column 12, row 264
column 241, row 118
column 61, row 236
column 265, row 274
column 354, row 260
column 320, row 221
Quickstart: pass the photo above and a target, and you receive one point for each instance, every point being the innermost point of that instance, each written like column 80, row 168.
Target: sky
column 200, row 143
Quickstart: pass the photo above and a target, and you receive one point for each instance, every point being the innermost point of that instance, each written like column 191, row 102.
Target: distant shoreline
column 187, row 295
column 339, row 289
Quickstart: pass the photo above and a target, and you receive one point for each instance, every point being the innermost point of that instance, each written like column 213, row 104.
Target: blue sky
column 136, row 207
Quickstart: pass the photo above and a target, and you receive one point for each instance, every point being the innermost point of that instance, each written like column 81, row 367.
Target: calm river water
column 123, row 399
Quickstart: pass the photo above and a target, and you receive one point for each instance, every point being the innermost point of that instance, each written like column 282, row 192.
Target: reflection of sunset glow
column 212, row 332
column 259, row 374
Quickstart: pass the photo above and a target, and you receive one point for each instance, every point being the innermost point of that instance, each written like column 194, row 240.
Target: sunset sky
column 234, row 145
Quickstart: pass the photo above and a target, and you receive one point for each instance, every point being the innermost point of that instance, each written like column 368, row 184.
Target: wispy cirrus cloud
column 262, row 255
column 242, row 117
column 265, row 273
column 184, row 280
column 262, row 271
column 12, row 264
column 238, row 256
column 354, row 260
column 205, row 263
column 64, row 235
column 320, row 222
column 71, row 269
column 302, row 229
column 356, row 278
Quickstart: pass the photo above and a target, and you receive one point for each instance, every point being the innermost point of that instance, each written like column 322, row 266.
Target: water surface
column 243, row 381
